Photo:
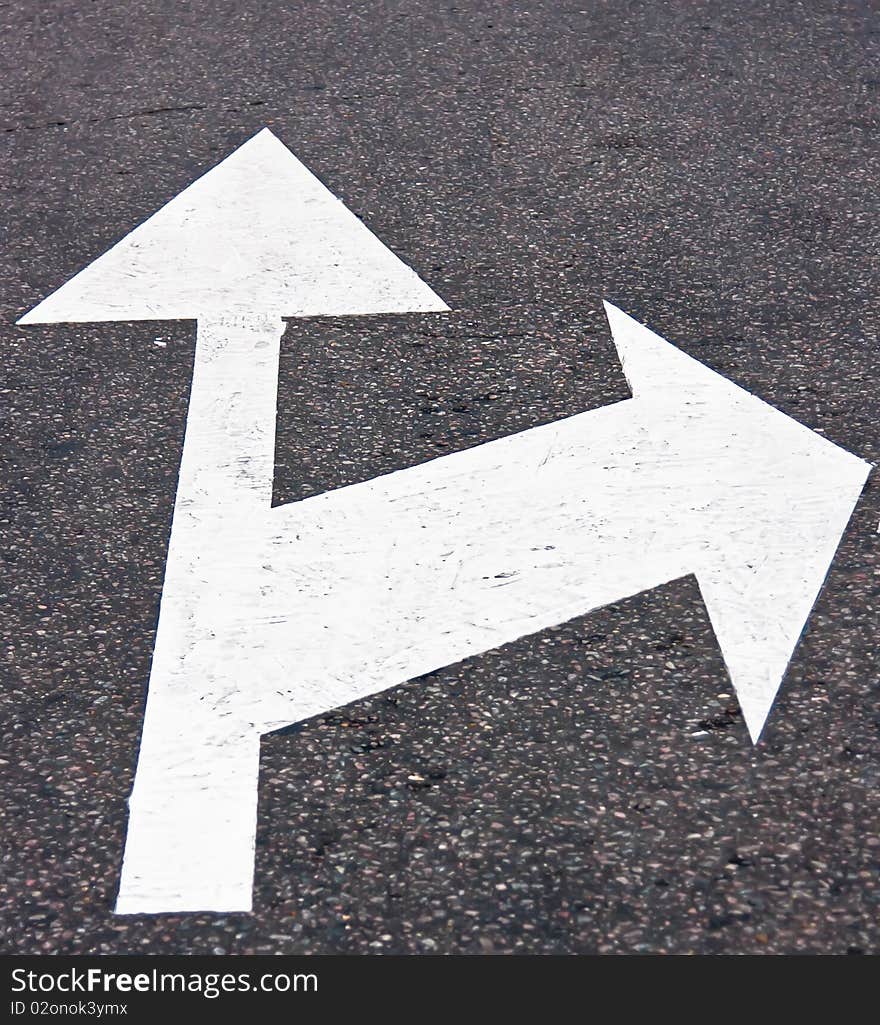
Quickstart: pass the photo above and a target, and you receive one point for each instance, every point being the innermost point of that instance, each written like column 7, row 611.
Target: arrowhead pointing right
column 258, row 233
column 763, row 503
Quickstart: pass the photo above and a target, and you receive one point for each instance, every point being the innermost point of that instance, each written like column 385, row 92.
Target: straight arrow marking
column 269, row 616
column 259, row 233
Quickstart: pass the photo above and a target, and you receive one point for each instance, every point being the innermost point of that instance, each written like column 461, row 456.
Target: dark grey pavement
column 713, row 170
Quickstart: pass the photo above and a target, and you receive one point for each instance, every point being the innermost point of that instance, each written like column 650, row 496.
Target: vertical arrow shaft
column 183, row 815
column 229, row 446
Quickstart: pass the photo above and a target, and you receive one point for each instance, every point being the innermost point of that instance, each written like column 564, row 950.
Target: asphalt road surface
column 712, row 169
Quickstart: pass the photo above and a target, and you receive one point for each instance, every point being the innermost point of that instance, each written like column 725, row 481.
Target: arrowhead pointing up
column 763, row 499
column 258, row 233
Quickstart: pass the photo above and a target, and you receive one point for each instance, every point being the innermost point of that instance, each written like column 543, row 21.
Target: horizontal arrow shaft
column 365, row 587
column 375, row 584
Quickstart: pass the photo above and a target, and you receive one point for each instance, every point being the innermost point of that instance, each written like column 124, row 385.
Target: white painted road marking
column 270, row 616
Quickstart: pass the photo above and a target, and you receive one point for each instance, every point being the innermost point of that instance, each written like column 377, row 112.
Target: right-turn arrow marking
column 272, row 615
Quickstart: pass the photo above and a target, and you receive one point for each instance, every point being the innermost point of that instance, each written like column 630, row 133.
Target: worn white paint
column 270, row 616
